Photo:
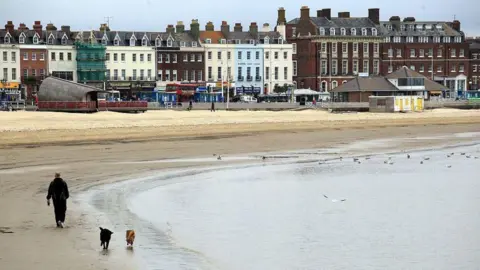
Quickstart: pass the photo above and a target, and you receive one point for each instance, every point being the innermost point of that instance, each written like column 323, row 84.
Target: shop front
column 248, row 90
column 10, row 92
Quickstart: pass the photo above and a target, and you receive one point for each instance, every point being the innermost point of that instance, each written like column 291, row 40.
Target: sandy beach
column 85, row 148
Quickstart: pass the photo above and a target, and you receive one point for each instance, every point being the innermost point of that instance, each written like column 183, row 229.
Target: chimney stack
column 281, row 16
column 456, row 25
column 209, row 27
column 180, row 28
column 253, row 28
column 170, row 29
column 66, row 29
column 409, row 19
column 195, row 29
column 9, row 27
column 22, row 27
column 225, row 29
column 374, row 15
column 305, row 13
column 344, row 14
column 238, row 27
column 266, row 28
column 51, row 27
column 103, row 27
column 327, row 13
column 319, row 13
column 38, row 27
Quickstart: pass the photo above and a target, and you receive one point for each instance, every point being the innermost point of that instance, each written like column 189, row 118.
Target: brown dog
column 130, row 237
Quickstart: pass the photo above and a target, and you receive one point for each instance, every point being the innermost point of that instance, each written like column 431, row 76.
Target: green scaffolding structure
column 90, row 62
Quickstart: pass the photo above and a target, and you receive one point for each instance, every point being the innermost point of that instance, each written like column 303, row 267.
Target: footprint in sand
column 5, row 230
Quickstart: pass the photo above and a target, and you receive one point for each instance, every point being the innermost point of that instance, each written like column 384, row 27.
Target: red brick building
column 329, row 51
column 474, row 72
column 435, row 49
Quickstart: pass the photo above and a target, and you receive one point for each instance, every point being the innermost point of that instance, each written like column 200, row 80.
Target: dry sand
column 85, row 148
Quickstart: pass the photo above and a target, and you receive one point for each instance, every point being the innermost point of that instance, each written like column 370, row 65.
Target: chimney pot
column 327, row 13
column 319, row 13
column 281, row 19
column 374, row 15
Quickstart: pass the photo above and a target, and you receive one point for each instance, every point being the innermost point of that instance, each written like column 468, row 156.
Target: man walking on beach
column 58, row 192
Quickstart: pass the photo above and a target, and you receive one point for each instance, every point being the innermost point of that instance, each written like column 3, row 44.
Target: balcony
column 258, row 78
column 240, row 78
column 249, row 78
column 131, row 78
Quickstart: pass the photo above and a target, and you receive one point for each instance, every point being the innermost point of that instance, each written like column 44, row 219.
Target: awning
column 435, row 92
column 9, row 85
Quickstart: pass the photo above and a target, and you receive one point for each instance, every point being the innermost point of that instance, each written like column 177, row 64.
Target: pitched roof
column 214, row 36
column 366, row 84
column 404, row 72
column 420, row 28
column 348, row 24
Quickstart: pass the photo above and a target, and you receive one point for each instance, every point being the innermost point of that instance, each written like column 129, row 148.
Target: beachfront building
column 474, row 49
column 332, row 50
column 436, row 49
column 62, row 62
column 10, row 63
column 180, row 55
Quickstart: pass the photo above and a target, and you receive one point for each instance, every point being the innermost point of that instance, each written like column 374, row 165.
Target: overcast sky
column 155, row 15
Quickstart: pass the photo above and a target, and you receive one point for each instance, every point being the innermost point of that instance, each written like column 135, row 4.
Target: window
column 185, row 57
column 334, row 84
column 257, row 55
column 399, row 52
column 135, row 74
column 474, row 68
column 134, row 57
column 210, row 76
column 115, row 74
column 219, row 73
column 294, row 48
column 132, row 41
column 60, row 56
column 145, row 41
column 142, row 58
column 107, row 56
column 194, row 44
column 35, row 39
column 285, row 73
column 14, row 74
column 174, row 58
column 422, row 68
column 323, row 47
column 5, row 56
column 219, row 55
column 412, row 67
column 446, row 39
column 430, row 67
column 223, row 41
column 267, row 55
column 239, row 70
column 229, row 72
column 229, row 55
column 390, row 69
column 185, row 75
column 294, row 68
column 124, row 74
column 397, row 39
column 34, row 57
column 248, row 55
column 365, row 48
column 390, row 52
column 410, row 39
column 239, row 55
column 332, row 31
column 334, row 67
column 458, row 39
column 34, row 72
column 343, row 32
column 252, row 41
column 453, row 53
column 167, row 58
column 439, row 69
column 421, row 53
column 353, row 31
column 355, row 66
column 209, row 55
column 122, row 57
column 158, row 43
column 149, row 74
column 461, row 68
column 199, row 57
column 322, row 31
column 183, row 44
column 69, row 56
column 364, row 31
column 5, row 73
column 192, row 57
column 21, row 39
column 374, row 31
column 453, row 68
column 159, row 74
column 104, row 40
column 42, row 56
column 334, row 47
column 169, row 43
column 344, row 47
column 276, row 74
column 430, row 52
column 461, row 53
column 149, row 57
column 267, row 72
column 174, row 75
column 285, row 55
column 412, row 52
column 375, row 48
column 275, row 55
column 116, row 41
column 388, row 39
column 42, row 72
column 192, row 75
column 50, row 40
column 25, row 72
column 439, row 52
column 436, row 39
column 249, row 73
column 355, row 47
column 115, row 57
column 344, row 67
column 365, row 66
column 324, row 67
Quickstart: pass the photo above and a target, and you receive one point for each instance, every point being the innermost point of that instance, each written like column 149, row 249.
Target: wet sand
column 91, row 157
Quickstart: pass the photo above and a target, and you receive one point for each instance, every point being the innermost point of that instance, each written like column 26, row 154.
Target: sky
column 155, row 15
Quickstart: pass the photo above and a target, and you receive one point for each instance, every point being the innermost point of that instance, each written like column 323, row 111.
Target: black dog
column 105, row 235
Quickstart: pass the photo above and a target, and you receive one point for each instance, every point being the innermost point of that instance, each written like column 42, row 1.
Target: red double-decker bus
column 184, row 92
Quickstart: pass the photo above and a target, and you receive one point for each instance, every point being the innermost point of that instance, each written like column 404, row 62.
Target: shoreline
column 26, row 171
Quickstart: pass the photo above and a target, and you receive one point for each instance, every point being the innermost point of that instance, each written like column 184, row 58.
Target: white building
column 61, row 53
column 10, row 62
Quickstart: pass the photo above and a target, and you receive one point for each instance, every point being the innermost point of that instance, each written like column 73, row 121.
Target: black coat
column 58, row 190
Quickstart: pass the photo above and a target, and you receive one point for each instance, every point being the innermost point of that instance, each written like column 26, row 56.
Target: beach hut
column 396, row 104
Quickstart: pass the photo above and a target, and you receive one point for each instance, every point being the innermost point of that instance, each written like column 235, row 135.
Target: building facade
column 331, row 50
column 180, row 57
column 62, row 54
column 10, row 60
column 474, row 55
column 435, row 49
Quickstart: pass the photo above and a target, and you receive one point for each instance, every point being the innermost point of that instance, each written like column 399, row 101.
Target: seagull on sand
column 449, row 166
column 219, row 157
column 334, row 200
column 463, row 154
column 426, row 158
column 421, row 162
column 408, row 155
column 264, row 157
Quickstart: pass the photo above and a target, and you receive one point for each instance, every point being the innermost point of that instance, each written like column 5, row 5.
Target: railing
column 131, row 78
column 67, row 105
column 240, row 78
column 249, row 78
column 258, row 78
column 124, row 104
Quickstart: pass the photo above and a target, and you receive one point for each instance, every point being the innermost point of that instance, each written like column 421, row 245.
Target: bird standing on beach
column 408, row 155
column 219, row 157
column 334, row 200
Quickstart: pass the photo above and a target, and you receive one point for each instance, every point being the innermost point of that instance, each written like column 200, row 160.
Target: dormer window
column 364, row 31
column 208, row 41
column 332, row 31
column 252, row 42
column 419, row 26
column 410, row 39
column 223, row 41
column 428, row 26
column 35, row 39
column 50, row 40
column 194, row 44
column 6, row 40
column 182, row 44
column 132, row 41
column 389, row 27
column 237, row 41
column 322, row 31
column 280, row 40
column 402, row 27
column 411, row 27
column 21, row 39
column 64, row 39
column 158, row 42
column 343, row 32
column 458, row 39
column 266, row 40
column 374, row 31
column 144, row 41
column 116, row 41
column 446, row 39
column 169, row 42
column 353, row 31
